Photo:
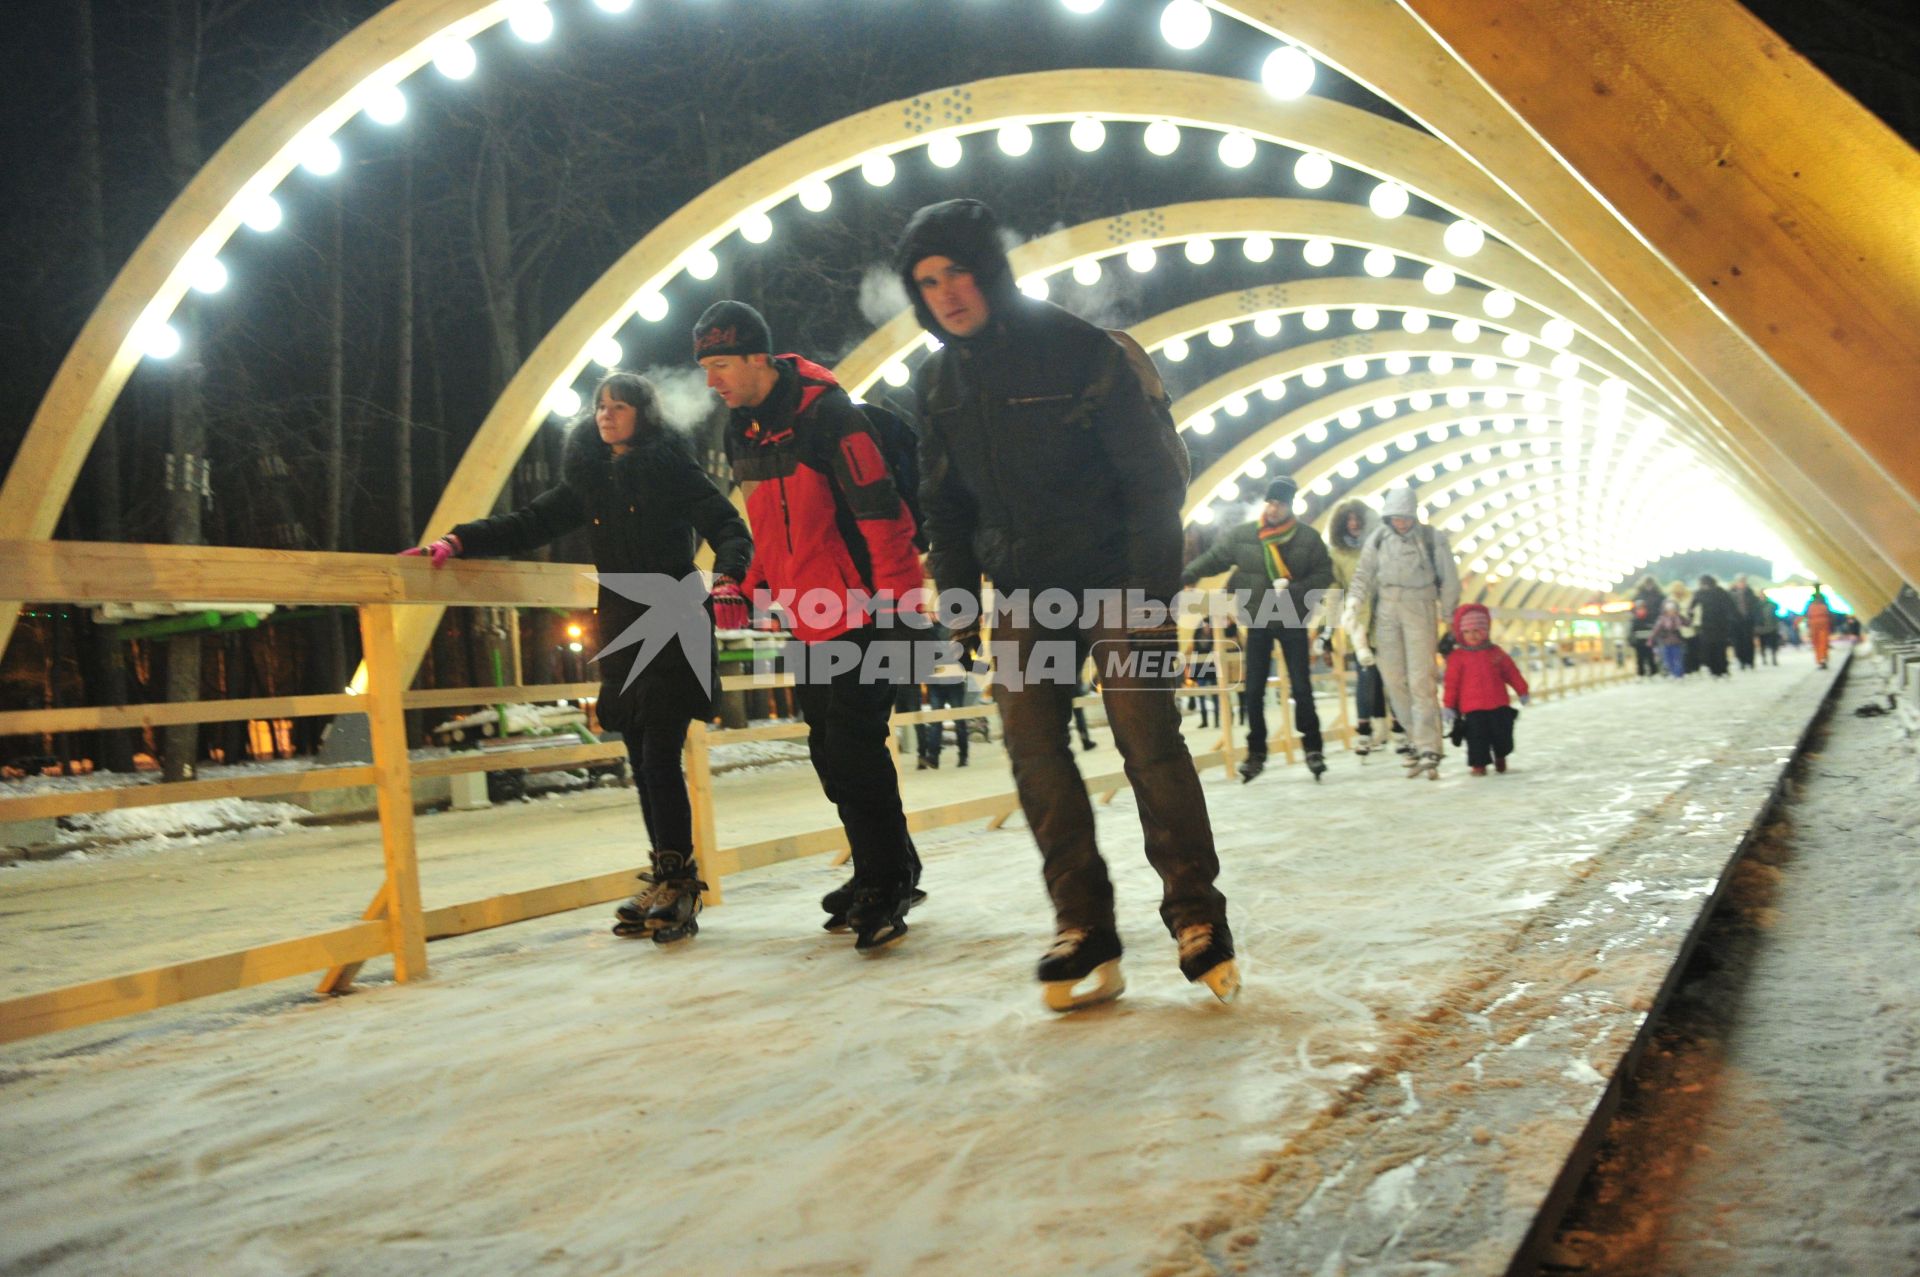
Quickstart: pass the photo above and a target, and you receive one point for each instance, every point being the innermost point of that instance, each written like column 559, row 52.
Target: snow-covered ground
column 764, row 1100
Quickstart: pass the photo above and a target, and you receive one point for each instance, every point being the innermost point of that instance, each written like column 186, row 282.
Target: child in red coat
column 1478, row 675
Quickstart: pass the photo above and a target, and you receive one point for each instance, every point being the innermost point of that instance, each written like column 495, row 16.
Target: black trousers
column 847, row 730
column 1035, row 713
column 1743, row 646
column 1297, row 652
column 1489, row 734
column 654, row 748
column 946, row 696
column 1644, row 662
column 1713, row 653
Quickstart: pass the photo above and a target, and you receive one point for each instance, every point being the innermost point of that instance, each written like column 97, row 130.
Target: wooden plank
column 494, row 760
column 97, row 1000
column 518, row 906
column 772, row 731
column 92, row 718
column 393, row 788
column 123, row 797
column 101, row 572
column 340, row 978
column 461, row 697
column 700, row 794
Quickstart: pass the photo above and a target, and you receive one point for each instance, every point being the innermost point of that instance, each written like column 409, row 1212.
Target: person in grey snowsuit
column 1406, row 572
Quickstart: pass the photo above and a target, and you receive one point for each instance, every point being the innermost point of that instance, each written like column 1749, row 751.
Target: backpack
column 900, row 446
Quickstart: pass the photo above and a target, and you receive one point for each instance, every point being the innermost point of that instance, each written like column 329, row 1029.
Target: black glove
column 1446, row 644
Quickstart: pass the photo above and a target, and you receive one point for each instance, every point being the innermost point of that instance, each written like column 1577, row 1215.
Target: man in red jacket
column 835, row 552
column 1479, row 672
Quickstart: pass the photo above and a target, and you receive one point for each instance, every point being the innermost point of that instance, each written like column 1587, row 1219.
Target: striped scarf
column 1271, row 539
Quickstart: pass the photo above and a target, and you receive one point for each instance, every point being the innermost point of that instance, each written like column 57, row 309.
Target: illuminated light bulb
column 1087, row 134
column 1286, row 450
column 1497, row 398
column 1385, row 410
column 1312, row 170
column 1236, row 405
column 816, row 196
column 895, row 374
column 1267, row 323
column 702, row 264
column 1199, row 251
column 1466, row 331
column 1237, row 149
column 1227, row 491
column 564, row 401
column 263, row 214
column 1557, row 333
column 651, row 307
column 877, row 169
column 1499, row 304
column 1527, row 375
column 1439, row 280
column 1081, row 6
column 1288, row 73
column 1379, row 262
column 945, row 151
column 1407, row 443
column 1274, row 388
column 756, row 227
column 1436, row 434
column 1399, row 364
column 455, row 59
column 1317, row 252
column 1458, row 398
column 1314, row 377
column 1378, row 454
column 1162, row 137
column 209, row 275
column 1258, row 248
column 161, row 341
column 1440, row 365
column 1015, row 139
column 614, row 6
column 1463, row 239
column 1416, row 322
column 1035, row 287
column 1322, row 487
column 1315, row 433
column 1570, row 390
column 1612, row 390
column 531, row 22
column 321, row 157
column 1086, row 273
column 1141, row 258
column 1202, row 424
column 1355, row 368
column 1388, row 200
column 1504, row 425
column 606, row 352
column 1316, row 318
column 387, row 105
column 1176, row 349
column 1366, row 318
column 1184, row 24
column 1514, row 346
column 1348, row 470
column 1203, row 515
column 1255, row 469
column 1221, row 335
column 1564, row 365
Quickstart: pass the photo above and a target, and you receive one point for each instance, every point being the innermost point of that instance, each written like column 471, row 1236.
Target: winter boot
column 1500, row 764
column 1079, row 954
column 1316, row 763
column 1206, row 956
column 630, row 917
column 675, row 900
column 1480, row 771
column 1401, row 745
column 1427, row 765
column 1252, row 766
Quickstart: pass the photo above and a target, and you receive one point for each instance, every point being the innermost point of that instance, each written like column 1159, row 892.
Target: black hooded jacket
column 1043, row 463
column 647, row 511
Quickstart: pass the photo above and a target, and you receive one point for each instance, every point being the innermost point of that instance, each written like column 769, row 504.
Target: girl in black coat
column 647, row 504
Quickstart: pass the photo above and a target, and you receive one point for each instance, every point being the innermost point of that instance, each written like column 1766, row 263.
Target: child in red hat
column 1479, row 672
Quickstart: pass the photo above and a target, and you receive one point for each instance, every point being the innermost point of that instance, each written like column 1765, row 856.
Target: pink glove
column 447, row 547
column 730, row 610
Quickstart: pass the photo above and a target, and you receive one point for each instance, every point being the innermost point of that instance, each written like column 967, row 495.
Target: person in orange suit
column 1819, row 624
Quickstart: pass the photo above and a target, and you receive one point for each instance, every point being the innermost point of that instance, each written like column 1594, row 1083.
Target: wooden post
column 340, row 979
column 1340, row 687
column 700, row 794
column 393, row 783
column 1282, row 704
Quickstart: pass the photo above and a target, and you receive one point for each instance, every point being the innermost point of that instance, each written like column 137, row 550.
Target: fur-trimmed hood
column 967, row 232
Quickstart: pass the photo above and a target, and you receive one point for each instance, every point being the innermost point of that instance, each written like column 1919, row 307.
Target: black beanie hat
column 1282, row 489
column 731, row 328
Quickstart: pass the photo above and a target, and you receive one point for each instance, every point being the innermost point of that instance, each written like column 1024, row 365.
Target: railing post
column 700, row 796
column 393, row 785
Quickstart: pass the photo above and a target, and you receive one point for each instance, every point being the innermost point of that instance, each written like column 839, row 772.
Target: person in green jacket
column 1280, row 568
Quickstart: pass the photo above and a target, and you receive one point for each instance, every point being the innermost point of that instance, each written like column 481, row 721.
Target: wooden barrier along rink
column 397, row 922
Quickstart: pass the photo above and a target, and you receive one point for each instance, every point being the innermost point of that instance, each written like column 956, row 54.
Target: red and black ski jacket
column 830, row 528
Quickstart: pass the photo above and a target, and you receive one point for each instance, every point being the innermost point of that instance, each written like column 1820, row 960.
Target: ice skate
column 1081, row 957
column 1316, row 763
column 630, row 917
column 1252, row 766
column 878, row 916
column 1402, row 747
column 1427, row 765
column 675, row 903
column 1206, row 957
column 1363, row 741
column 838, row 904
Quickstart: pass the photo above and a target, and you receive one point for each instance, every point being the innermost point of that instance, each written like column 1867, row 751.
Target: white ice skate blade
column 1106, row 984
column 1224, row 980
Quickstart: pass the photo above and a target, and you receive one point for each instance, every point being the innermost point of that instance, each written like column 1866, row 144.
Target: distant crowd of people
column 1676, row 631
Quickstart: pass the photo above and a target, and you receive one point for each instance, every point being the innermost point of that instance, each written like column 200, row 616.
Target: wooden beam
column 92, row 718
column 123, row 797
column 393, row 787
column 97, row 1000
